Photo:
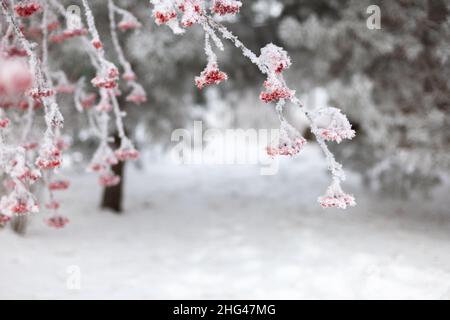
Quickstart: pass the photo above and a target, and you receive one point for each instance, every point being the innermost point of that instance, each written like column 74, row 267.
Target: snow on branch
column 32, row 82
column 327, row 124
column 28, row 84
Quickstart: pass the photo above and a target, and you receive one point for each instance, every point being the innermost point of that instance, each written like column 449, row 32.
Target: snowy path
column 227, row 232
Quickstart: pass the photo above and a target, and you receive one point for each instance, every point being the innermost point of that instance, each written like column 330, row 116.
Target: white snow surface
column 226, row 232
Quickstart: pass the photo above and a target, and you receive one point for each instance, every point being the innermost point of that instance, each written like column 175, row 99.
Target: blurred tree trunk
column 112, row 196
column 19, row 224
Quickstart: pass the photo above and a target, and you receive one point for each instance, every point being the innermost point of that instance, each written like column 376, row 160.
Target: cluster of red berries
column 29, row 176
column 211, row 75
column 68, row 34
column 57, row 221
column 125, row 154
column 224, row 7
column 289, row 143
column 341, row 201
column 97, row 44
column 108, row 79
column 37, row 93
column 287, row 149
column 49, row 158
column 58, row 185
column 4, row 122
column 20, row 208
column 108, row 180
column 164, row 17
column 137, row 95
column 275, row 94
column 27, row 8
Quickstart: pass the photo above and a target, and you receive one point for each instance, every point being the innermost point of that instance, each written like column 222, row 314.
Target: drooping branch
column 38, row 87
column 327, row 124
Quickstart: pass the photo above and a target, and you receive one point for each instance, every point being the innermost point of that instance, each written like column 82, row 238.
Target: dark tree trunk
column 19, row 225
column 112, row 196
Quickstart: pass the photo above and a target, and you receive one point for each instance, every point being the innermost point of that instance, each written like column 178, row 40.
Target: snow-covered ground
column 204, row 232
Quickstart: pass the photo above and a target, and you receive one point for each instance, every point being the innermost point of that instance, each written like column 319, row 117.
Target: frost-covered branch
column 28, row 83
column 327, row 124
column 36, row 86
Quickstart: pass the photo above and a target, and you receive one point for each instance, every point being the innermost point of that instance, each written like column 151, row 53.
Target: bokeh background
column 225, row 231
